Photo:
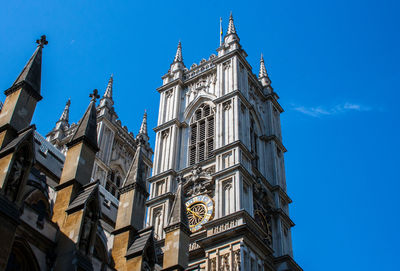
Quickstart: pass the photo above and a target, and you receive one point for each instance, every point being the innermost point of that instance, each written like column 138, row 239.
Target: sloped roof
column 144, row 239
column 82, row 198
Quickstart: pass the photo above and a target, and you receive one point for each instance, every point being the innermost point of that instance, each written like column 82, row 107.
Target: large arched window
column 201, row 145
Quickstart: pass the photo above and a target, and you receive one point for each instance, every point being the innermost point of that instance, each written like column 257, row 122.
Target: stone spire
column 263, row 75
column 31, row 73
column 142, row 135
column 109, row 90
column 65, row 115
column 231, row 26
column 136, row 172
column 177, row 66
column 87, row 128
column 177, row 234
column 178, row 212
column 178, row 55
column 231, row 39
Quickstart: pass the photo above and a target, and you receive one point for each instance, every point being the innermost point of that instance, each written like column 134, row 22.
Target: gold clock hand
column 193, row 213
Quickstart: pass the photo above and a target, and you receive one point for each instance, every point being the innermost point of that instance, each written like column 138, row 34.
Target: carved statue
column 213, row 264
column 15, row 178
column 225, row 262
column 236, row 263
column 87, row 227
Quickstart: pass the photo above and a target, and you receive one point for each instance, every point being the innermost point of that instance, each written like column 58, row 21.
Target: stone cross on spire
column 94, row 95
column 42, row 42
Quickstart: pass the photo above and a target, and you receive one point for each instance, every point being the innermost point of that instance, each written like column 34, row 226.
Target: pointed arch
column 205, row 98
column 22, row 257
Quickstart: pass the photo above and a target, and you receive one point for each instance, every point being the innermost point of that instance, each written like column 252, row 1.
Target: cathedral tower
column 219, row 130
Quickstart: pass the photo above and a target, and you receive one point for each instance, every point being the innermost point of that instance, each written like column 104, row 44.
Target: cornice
column 286, row 219
column 275, row 139
column 282, row 193
column 162, row 175
column 174, row 121
column 165, row 196
column 170, row 84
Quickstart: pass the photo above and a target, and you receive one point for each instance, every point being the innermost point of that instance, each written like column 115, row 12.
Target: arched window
column 201, row 145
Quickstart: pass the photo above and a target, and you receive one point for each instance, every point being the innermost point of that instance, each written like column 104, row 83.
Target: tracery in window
column 201, row 145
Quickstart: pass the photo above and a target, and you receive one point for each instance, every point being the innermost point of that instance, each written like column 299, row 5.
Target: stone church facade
column 92, row 196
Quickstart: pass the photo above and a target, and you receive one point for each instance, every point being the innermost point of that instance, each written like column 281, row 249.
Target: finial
column 94, row 95
column 178, row 55
column 42, row 42
column 231, row 26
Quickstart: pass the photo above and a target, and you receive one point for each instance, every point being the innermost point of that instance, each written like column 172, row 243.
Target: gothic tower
column 219, row 133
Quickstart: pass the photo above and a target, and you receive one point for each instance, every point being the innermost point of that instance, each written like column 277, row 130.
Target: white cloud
column 321, row 111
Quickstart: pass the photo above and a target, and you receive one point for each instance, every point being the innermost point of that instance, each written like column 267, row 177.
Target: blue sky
column 335, row 65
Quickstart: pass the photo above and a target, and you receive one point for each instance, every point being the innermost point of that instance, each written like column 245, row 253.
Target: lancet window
column 201, row 145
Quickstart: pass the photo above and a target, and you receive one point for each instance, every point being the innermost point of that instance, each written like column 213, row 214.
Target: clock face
column 199, row 211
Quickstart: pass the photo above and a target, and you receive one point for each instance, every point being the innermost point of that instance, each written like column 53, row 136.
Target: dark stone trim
column 177, row 226
column 132, row 186
column 124, row 229
column 86, row 140
column 65, row 184
column 26, row 86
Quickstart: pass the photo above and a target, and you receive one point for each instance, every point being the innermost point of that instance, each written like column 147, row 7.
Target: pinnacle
column 109, row 90
column 178, row 211
column 231, row 26
column 178, row 55
column 32, row 72
column 143, row 127
column 87, row 128
column 136, row 173
column 263, row 71
column 65, row 114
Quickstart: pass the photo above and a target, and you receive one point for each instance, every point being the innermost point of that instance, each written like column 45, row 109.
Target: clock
column 199, row 210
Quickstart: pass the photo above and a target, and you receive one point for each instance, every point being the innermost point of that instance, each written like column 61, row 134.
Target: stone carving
column 87, row 229
column 15, row 177
column 225, row 262
column 165, row 133
column 226, row 105
column 169, row 93
column 236, row 263
column 213, row 264
column 198, row 183
column 226, row 65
